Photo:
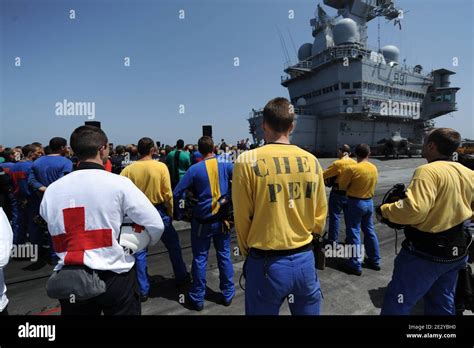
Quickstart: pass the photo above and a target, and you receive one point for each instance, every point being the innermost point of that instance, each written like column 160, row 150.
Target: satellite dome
column 305, row 51
column 301, row 102
column 345, row 31
column 391, row 54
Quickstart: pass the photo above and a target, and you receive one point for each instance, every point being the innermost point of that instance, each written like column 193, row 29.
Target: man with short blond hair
column 279, row 206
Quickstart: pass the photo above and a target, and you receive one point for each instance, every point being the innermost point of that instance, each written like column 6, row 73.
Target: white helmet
column 133, row 237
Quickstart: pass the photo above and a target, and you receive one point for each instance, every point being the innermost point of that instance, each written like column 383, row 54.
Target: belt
column 438, row 245
column 272, row 253
column 339, row 192
column 361, row 199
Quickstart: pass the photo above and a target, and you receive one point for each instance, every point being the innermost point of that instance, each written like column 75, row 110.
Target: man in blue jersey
column 44, row 171
column 209, row 181
column 23, row 221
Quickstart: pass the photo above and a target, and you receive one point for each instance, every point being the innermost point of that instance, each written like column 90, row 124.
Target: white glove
column 133, row 237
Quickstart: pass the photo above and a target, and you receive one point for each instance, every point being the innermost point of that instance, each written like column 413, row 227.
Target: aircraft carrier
column 345, row 92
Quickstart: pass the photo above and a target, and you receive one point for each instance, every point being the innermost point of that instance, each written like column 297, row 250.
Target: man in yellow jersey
column 438, row 204
column 337, row 197
column 359, row 180
column 279, row 204
column 153, row 179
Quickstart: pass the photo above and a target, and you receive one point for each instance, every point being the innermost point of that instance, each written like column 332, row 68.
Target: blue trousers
column 142, row 272
column 201, row 243
column 337, row 204
column 360, row 217
column 23, row 226
column 415, row 278
column 269, row 281
column 171, row 241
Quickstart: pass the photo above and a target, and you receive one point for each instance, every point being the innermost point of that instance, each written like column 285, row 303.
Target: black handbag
column 78, row 283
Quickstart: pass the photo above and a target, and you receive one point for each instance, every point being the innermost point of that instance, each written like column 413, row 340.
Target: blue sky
column 187, row 62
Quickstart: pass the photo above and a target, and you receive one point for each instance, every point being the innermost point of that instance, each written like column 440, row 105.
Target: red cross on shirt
column 77, row 240
column 137, row 228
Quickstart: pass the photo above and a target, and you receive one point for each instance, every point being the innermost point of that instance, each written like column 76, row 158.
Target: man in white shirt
column 6, row 240
column 84, row 211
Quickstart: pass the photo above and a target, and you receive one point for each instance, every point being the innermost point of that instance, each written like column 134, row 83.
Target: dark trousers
column 121, row 297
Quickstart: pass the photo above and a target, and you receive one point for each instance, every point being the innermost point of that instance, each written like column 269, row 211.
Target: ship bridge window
column 447, row 97
column 357, row 84
column 345, row 85
column 336, row 87
column 345, row 102
column 438, row 97
column 385, row 89
column 355, row 101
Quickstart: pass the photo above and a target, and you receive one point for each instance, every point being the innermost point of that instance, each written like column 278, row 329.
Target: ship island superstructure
column 344, row 92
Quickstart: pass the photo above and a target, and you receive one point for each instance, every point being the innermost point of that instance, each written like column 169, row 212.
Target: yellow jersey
column 337, row 167
column 153, row 179
column 439, row 197
column 279, row 198
column 359, row 180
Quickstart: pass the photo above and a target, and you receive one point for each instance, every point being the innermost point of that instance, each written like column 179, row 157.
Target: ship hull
column 324, row 136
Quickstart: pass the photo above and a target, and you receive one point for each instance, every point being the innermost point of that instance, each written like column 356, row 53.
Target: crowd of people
column 274, row 194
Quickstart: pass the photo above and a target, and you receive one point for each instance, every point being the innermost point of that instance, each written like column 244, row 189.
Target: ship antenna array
column 378, row 32
column 283, row 46
column 292, row 41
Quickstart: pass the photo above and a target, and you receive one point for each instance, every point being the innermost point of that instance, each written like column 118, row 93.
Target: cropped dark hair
column 55, row 144
column 120, row 149
column 180, row 144
column 345, row 148
column 362, row 150
column 27, row 149
column 7, row 153
column 278, row 114
column 145, row 145
column 205, row 145
column 447, row 140
column 87, row 140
